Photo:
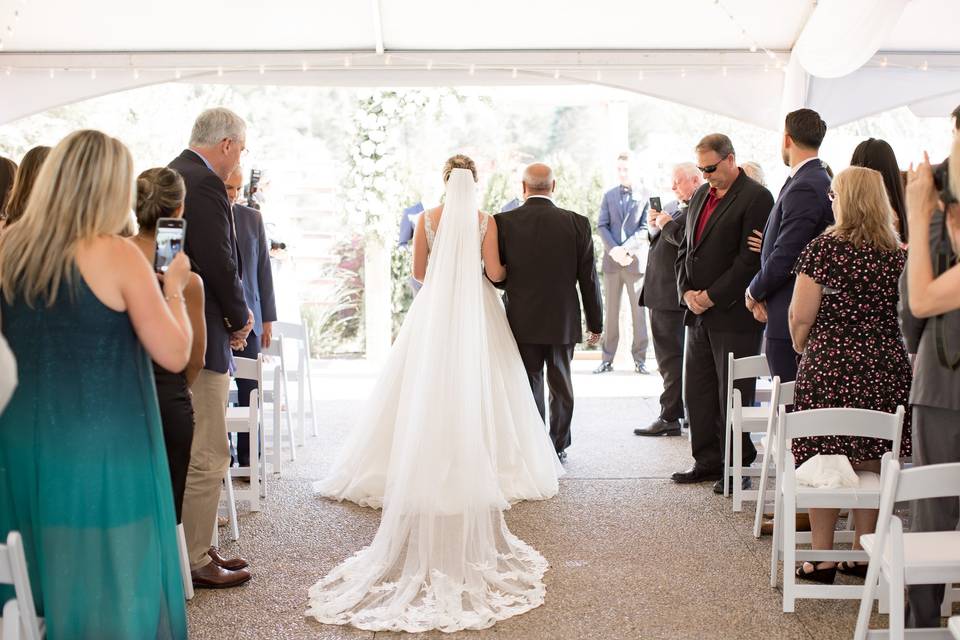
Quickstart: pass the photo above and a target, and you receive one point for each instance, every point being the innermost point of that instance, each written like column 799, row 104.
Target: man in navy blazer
column 799, row 215
column 257, row 291
column 623, row 223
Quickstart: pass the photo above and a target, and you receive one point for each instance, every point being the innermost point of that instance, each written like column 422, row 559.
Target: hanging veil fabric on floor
column 450, row 436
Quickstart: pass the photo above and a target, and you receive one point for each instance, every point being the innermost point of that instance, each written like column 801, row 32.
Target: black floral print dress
column 855, row 356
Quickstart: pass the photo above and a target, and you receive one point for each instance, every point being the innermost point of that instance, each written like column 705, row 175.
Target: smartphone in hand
column 655, row 203
column 170, row 235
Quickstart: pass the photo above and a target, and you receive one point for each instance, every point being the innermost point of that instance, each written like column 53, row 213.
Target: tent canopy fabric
column 749, row 59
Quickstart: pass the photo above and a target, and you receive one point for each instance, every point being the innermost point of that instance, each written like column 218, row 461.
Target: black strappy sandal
column 849, row 568
column 823, row 576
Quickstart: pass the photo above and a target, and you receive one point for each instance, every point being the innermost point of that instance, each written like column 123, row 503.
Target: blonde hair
column 459, row 161
column 84, row 189
column 862, row 209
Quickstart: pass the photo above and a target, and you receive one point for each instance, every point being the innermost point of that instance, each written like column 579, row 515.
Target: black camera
column 251, row 189
column 941, row 182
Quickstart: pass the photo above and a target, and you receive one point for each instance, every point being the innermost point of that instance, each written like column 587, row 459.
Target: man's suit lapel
column 725, row 203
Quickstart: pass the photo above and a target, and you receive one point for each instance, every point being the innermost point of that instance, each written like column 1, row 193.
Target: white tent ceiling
column 695, row 52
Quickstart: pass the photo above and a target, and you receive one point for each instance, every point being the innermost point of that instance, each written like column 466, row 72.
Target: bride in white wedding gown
column 449, row 438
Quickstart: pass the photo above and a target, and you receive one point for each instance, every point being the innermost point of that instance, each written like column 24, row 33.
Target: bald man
column 548, row 251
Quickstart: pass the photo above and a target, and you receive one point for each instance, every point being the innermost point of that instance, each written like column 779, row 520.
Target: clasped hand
column 238, row 339
column 697, row 301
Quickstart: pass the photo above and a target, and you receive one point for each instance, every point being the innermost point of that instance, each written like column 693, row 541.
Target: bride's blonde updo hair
column 459, row 161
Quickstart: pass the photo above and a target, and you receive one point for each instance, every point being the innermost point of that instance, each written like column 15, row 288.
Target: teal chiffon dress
column 83, row 473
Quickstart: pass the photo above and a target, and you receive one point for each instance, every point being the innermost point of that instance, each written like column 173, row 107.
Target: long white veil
column 443, row 557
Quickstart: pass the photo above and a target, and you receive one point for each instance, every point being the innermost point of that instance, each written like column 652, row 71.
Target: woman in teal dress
column 83, row 471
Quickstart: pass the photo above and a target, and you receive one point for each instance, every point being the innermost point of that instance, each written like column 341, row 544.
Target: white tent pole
column 377, row 26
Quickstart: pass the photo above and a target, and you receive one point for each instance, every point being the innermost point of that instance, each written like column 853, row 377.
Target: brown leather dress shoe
column 232, row 564
column 211, row 576
column 766, row 527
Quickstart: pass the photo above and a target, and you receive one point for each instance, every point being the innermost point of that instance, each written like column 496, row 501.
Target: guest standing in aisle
column 714, row 266
column 622, row 226
column 659, row 294
column 216, row 144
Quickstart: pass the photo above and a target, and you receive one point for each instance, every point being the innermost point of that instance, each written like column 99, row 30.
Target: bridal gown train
column 449, row 438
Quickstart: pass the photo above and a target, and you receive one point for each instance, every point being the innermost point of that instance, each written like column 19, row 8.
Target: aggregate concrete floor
column 632, row 554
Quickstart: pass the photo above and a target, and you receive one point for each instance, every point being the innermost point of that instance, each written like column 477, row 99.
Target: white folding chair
column 185, row 562
column 301, row 375
column 780, row 394
column 275, row 393
column 740, row 420
column 20, row 618
column 790, row 496
column 954, row 626
column 900, row 559
column 247, row 420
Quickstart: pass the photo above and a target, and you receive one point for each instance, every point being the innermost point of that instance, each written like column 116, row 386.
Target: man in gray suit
column 622, row 226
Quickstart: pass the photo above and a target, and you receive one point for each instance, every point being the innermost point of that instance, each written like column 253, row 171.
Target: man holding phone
column 660, row 296
column 622, row 223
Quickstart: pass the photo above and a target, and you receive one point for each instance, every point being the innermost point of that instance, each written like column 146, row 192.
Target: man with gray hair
column 548, row 251
column 659, row 295
column 216, row 144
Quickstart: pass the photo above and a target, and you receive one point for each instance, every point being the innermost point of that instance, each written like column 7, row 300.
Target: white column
column 376, row 299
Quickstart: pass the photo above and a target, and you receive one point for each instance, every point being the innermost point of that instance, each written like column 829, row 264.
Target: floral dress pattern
column 855, row 356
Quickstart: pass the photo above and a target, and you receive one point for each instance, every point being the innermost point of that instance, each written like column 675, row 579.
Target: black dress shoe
column 697, row 474
column 562, row 456
column 660, row 427
column 605, row 367
column 745, row 483
column 641, row 368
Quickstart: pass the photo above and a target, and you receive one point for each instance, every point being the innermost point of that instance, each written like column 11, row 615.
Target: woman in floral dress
column 843, row 320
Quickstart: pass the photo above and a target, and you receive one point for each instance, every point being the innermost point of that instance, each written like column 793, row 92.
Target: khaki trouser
column 209, row 460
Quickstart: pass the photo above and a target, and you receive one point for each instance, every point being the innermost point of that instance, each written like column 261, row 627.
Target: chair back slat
column 786, row 392
column 749, row 367
column 930, row 481
column 291, row 331
column 248, row 368
column 13, row 564
column 844, row 422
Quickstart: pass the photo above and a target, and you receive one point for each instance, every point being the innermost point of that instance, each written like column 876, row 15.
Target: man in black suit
column 714, row 266
column 216, row 143
column 548, row 251
column 801, row 213
column 659, row 294
column 257, row 291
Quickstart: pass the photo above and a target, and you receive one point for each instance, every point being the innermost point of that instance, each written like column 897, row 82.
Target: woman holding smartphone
column 82, row 468
column 160, row 194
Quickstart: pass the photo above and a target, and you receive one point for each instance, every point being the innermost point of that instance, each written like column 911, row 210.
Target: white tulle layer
column 449, row 438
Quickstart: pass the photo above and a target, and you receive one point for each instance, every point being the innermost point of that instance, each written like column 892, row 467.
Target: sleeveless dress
column 176, row 414
column 83, row 473
column 855, row 356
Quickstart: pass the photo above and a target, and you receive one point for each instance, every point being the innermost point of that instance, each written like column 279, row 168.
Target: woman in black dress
column 843, row 320
column 160, row 194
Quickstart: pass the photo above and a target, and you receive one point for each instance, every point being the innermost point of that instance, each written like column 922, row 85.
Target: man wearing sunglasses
column 714, row 267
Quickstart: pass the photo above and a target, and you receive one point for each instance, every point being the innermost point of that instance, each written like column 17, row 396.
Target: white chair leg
column 777, row 546
column 883, row 605
column 279, row 397
column 231, row 507
column 302, row 400
column 946, row 607
column 896, row 606
column 289, row 418
column 255, row 485
column 736, row 465
column 789, row 555
column 726, row 457
column 866, row 601
column 762, row 488
column 184, row 563
column 313, row 404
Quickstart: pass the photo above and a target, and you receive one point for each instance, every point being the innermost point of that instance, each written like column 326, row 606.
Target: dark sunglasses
column 711, row 167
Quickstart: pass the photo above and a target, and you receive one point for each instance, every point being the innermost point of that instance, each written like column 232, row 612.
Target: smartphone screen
column 170, row 234
column 655, row 203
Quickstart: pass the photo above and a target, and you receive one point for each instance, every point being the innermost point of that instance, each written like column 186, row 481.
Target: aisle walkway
column 632, row 554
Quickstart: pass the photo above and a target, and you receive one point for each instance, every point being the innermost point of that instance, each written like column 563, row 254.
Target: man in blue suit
column 622, row 226
column 801, row 213
column 257, row 285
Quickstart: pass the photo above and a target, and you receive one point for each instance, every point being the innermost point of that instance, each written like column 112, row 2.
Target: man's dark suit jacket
column 800, row 214
column 660, row 277
column 548, row 251
column 722, row 263
column 258, row 276
column 211, row 245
